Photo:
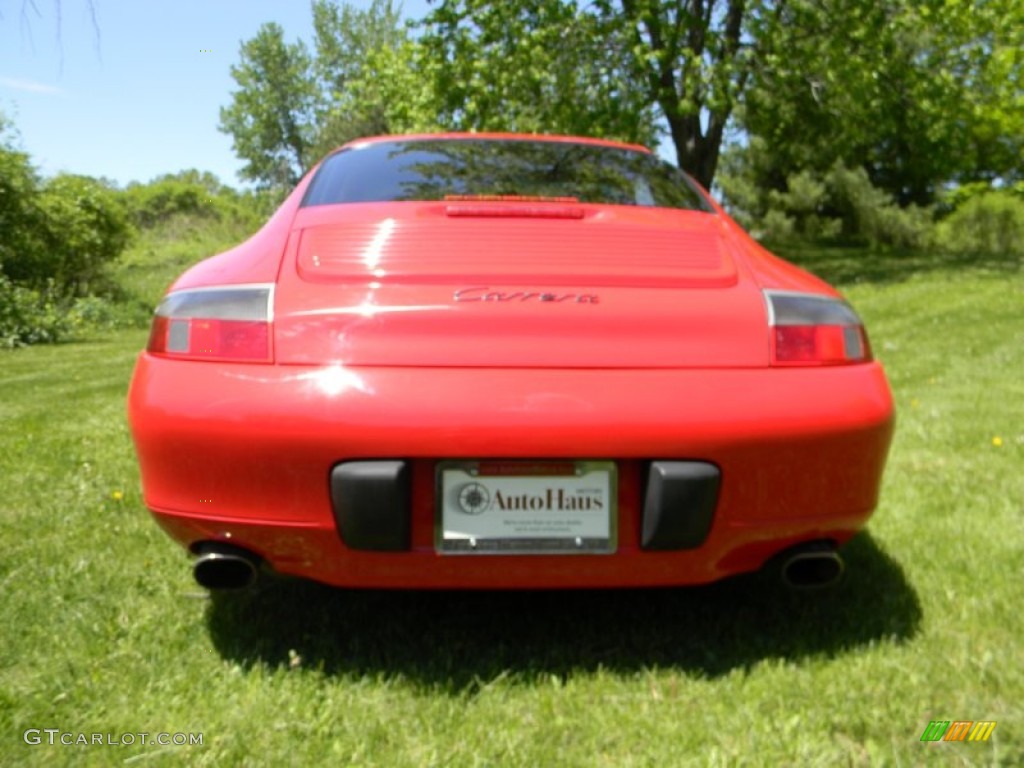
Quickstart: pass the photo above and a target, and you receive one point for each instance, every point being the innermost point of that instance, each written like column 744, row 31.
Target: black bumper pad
column 371, row 502
column 679, row 504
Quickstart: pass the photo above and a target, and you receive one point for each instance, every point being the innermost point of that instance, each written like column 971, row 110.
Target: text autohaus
column 551, row 498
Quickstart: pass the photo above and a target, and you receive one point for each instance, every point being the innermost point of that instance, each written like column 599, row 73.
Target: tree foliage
column 603, row 68
column 370, row 75
column 270, row 117
column 885, row 102
column 363, row 76
column 68, row 229
column 536, row 66
column 85, row 227
column 917, row 94
column 607, row 68
column 19, row 217
column 990, row 224
column 60, row 233
column 697, row 57
column 57, row 236
column 192, row 193
column 839, row 204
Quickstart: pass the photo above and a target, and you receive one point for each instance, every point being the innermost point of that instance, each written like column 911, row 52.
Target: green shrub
column 19, row 215
column 956, row 197
column 152, row 203
column 60, row 239
column 96, row 313
column 991, row 223
column 28, row 316
column 87, row 229
column 804, row 194
column 71, row 229
column 839, row 205
column 870, row 216
column 194, row 195
column 776, row 226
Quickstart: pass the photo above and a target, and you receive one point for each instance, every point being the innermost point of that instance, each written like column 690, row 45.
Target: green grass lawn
column 105, row 632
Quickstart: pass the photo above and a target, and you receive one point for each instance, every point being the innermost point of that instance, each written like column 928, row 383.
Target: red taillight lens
column 814, row 330
column 223, row 323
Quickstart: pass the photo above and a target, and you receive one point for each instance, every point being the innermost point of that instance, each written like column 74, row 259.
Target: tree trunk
column 696, row 151
column 676, row 88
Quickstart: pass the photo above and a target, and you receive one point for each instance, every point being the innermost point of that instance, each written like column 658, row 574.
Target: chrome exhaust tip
column 221, row 567
column 812, row 566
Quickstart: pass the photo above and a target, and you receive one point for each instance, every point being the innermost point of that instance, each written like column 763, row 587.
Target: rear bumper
column 244, row 453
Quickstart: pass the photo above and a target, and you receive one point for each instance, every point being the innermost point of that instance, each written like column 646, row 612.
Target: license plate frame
column 523, row 507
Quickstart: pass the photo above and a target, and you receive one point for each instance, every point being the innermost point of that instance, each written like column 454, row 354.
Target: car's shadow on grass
column 459, row 640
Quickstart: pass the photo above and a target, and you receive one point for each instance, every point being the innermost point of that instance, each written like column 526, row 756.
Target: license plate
column 526, row 507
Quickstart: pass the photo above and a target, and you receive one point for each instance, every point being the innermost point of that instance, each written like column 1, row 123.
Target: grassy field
column 105, row 632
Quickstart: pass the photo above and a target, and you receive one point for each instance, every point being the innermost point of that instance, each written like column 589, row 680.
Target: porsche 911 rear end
column 499, row 361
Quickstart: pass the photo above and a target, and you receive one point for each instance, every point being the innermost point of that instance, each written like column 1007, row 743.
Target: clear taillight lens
column 808, row 329
column 222, row 323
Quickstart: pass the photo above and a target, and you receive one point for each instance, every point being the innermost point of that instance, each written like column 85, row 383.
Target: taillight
column 807, row 329
column 221, row 323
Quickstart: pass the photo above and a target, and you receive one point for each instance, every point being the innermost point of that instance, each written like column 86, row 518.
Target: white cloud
column 29, row 86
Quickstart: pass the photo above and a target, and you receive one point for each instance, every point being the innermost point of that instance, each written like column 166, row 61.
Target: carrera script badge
column 484, row 293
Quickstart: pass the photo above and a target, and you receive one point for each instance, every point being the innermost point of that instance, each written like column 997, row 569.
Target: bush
column 95, row 313
column 837, row 206
column 870, row 216
column 29, row 317
column 991, row 224
column 86, row 229
column 60, row 236
column 192, row 194
column 19, row 216
column 70, row 228
column 153, row 203
column 776, row 226
column 956, row 197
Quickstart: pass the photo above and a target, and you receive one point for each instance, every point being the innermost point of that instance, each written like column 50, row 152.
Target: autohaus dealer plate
column 526, row 507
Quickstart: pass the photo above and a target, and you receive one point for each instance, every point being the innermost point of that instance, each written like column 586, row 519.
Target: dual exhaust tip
column 225, row 567
column 812, row 565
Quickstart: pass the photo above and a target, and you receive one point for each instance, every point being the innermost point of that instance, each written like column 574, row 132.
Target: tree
column 86, row 227
column 19, row 216
column 270, row 117
column 697, row 57
column 347, row 36
column 365, row 76
column 603, row 66
column 370, row 75
column 536, row 66
column 58, row 234
column 919, row 94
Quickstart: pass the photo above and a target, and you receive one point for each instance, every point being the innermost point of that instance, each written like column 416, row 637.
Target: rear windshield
column 436, row 169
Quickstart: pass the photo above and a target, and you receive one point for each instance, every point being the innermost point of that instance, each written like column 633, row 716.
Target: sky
column 137, row 95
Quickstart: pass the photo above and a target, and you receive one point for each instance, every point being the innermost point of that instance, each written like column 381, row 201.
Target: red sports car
column 489, row 361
